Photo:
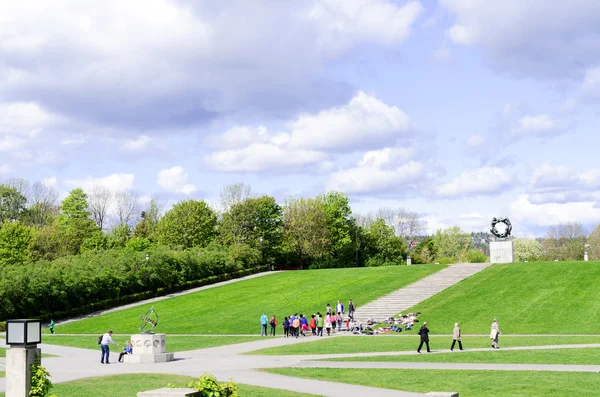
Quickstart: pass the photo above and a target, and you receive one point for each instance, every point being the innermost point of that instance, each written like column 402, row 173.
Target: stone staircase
column 405, row 298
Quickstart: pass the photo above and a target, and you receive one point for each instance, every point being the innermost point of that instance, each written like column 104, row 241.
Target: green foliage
column 305, row 229
column 47, row 243
column 450, row 244
column 150, row 217
column 188, row 224
column 526, row 250
column 15, row 239
column 98, row 241
column 12, row 204
column 384, row 247
column 594, row 244
column 336, row 207
column 425, row 252
column 74, row 206
column 40, row 380
column 119, row 236
column 476, row 256
column 565, row 242
column 256, row 222
column 137, row 244
column 48, row 288
column 208, row 386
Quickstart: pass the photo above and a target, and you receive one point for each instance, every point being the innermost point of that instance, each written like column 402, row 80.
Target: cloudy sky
column 460, row 110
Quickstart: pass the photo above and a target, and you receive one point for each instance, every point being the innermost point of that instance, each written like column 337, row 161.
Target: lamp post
column 408, row 260
column 23, row 337
column 147, row 257
column 585, row 254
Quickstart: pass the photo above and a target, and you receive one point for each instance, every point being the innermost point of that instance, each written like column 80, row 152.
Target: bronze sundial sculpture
column 150, row 319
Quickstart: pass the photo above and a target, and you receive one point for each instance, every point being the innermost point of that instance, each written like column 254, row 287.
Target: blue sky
column 460, row 110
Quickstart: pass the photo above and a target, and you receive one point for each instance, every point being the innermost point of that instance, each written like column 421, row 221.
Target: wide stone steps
column 407, row 297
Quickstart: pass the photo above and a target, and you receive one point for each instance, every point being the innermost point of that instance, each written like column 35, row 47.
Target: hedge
column 98, row 280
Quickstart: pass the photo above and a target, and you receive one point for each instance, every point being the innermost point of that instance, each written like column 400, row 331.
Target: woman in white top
column 495, row 332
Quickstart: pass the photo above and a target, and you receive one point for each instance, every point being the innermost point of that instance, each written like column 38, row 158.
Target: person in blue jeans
column 263, row 323
column 106, row 339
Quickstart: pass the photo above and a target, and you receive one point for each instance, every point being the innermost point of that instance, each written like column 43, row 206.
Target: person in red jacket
column 313, row 325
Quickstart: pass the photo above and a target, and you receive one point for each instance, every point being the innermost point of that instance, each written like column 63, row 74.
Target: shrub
column 527, row 250
column 208, row 386
column 476, row 256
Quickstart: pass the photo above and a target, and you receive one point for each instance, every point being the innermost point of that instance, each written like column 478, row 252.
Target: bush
column 527, row 250
column 476, row 256
column 208, row 386
column 96, row 280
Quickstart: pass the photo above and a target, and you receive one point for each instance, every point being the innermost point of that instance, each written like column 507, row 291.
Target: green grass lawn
column 2, row 374
column 590, row 356
column 129, row 385
column 236, row 308
column 467, row 383
column 2, row 352
column 390, row 343
column 527, row 298
column 174, row 343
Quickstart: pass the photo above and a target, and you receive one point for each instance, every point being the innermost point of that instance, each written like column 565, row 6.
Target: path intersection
column 230, row 362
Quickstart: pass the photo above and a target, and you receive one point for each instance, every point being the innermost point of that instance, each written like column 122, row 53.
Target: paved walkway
column 398, row 301
column 229, row 362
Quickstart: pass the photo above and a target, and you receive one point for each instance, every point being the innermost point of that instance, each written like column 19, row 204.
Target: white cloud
column 475, row 140
column 561, row 184
column 483, row 181
column 136, row 145
column 50, row 182
column 380, row 171
column 547, row 214
column 468, row 222
column 591, row 82
column 523, row 37
column 24, row 119
column 114, row 182
column 442, row 54
column 72, row 142
column 376, row 21
column 262, row 157
column 549, row 176
column 540, row 124
column 175, row 180
column 364, row 122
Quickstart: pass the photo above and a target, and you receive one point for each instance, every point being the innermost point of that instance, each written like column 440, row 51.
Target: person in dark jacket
column 286, row 328
column 424, row 332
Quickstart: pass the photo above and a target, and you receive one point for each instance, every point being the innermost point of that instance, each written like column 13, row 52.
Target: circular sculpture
column 149, row 319
column 506, row 232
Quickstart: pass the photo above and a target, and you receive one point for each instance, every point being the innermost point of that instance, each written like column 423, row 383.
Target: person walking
column 51, row 326
column 456, row 337
column 320, row 324
column 263, row 325
column 286, row 328
column 424, row 332
column 339, row 319
column 328, row 319
column 494, row 334
column 313, row 325
column 339, row 308
column 351, row 309
column 296, row 325
column 106, row 339
column 273, row 322
column 328, row 309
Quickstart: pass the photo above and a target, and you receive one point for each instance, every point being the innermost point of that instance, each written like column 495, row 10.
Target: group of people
column 105, row 340
column 298, row 324
column 456, row 336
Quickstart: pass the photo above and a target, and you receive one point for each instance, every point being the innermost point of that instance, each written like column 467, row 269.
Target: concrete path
column 405, row 298
column 229, row 362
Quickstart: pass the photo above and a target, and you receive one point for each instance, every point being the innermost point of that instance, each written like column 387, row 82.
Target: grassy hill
column 527, row 298
column 236, row 308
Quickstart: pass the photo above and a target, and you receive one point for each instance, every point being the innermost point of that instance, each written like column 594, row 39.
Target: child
column 128, row 349
column 273, row 323
column 304, row 324
column 51, row 326
column 328, row 324
column 320, row 324
column 339, row 321
column 296, row 326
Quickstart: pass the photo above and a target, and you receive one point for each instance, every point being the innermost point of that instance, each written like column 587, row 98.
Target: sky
column 460, row 110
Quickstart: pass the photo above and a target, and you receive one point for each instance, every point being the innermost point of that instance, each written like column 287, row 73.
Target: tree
column 47, row 243
column 12, row 204
column 15, row 239
column 565, row 241
column 234, row 194
column 594, row 244
column 451, row 244
column 127, row 204
column 150, row 217
column 42, row 209
column 383, row 245
column 340, row 225
column 99, row 200
column 409, row 224
column 526, row 250
column 425, row 251
column 256, row 222
column 305, row 229
column 74, row 207
column 119, row 236
column 74, row 222
column 188, row 224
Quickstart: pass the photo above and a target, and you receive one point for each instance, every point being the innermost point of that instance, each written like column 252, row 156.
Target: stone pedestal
column 149, row 349
column 501, row 252
column 170, row 392
column 18, row 371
